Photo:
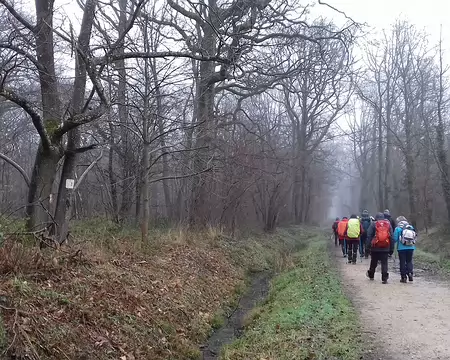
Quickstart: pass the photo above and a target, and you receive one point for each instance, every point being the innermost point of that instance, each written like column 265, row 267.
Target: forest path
column 406, row 321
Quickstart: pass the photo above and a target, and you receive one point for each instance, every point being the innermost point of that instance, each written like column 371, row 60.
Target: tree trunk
column 440, row 140
column 48, row 154
column 387, row 168
column 145, row 180
column 380, row 162
column 199, row 212
column 42, row 178
column 160, row 124
column 127, row 158
column 70, row 161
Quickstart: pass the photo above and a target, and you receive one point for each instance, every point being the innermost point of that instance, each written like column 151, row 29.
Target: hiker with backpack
column 342, row 230
column 380, row 238
column 365, row 222
column 387, row 216
column 405, row 236
column 354, row 231
column 334, row 227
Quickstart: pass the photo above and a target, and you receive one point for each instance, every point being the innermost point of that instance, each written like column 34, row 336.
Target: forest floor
column 109, row 296
column 401, row 321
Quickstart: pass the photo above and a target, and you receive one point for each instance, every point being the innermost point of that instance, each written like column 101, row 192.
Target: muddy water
column 233, row 327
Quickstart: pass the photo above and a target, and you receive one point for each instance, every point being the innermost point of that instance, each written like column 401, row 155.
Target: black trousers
column 335, row 238
column 343, row 245
column 352, row 249
column 382, row 257
column 362, row 244
column 406, row 263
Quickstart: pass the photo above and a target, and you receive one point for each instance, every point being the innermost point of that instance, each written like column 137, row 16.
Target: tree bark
column 127, row 159
column 199, row 212
column 48, row 154
column 42, row 178
column 70, row 161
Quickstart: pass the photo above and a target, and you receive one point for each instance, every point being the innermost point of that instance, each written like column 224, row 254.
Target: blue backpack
column 365, row 221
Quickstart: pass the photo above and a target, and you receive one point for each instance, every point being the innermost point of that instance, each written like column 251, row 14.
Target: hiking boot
column 384, row 281
column 368, row 275
column 410, row 277
column 403, row 280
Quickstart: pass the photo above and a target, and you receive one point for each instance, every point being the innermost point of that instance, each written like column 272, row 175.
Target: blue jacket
column 400, row 246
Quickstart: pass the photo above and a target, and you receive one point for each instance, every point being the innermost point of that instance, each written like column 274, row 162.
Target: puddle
column 233, row 327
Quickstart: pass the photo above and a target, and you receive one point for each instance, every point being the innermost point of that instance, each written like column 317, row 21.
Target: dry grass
column 112, row 297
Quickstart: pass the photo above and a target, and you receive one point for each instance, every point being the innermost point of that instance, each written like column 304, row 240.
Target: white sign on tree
column 70, row 183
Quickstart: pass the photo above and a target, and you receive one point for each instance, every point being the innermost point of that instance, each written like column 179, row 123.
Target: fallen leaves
column 129, row 307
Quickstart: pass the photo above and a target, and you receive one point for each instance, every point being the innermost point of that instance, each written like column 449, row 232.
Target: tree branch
column 80, row 119
column 17, row 167
column 22, row 52
column 18, row 17
column 85, row 172
column 175, row 177
column 83, row 149
column 30, row 110
column 189, row 14
column 153, row 55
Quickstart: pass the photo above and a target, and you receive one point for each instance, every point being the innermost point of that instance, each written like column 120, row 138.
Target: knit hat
column 379, row 216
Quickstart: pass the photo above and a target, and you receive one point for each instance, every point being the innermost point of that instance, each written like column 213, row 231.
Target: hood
column 402, row 224
column 379, row 216
column 401, row 218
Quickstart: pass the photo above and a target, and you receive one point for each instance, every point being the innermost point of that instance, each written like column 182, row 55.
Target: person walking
column 387, row 216
column 405, row 239
column 334, row 228
column 342, row 230
column 380, row 237
column 354, row 231
column 365, row 222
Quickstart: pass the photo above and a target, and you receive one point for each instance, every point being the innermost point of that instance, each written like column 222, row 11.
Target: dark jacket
column 371, row 234
column 391, row 220
column 365, row 222
column 335, row 225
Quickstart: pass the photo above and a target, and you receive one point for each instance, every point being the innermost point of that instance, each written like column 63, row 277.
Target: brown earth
column 124, row 303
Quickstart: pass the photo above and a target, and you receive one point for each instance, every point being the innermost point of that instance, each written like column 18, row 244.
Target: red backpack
column 382, row 237
column 342, row 228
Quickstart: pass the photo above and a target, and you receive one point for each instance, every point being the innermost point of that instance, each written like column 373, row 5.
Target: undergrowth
column 109, row 295
column 433, row 250
column 306, row 315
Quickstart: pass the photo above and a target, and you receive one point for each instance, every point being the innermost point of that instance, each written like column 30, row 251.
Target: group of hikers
column 377, row 237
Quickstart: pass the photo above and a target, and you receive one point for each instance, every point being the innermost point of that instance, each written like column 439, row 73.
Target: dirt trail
column 407, row 321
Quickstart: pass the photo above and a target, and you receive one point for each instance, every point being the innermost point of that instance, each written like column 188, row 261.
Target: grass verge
column 306, row 315
column 433, row 251
column 431, row 262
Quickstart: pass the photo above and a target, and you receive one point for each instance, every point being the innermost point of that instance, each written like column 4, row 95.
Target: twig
column 16, row 315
